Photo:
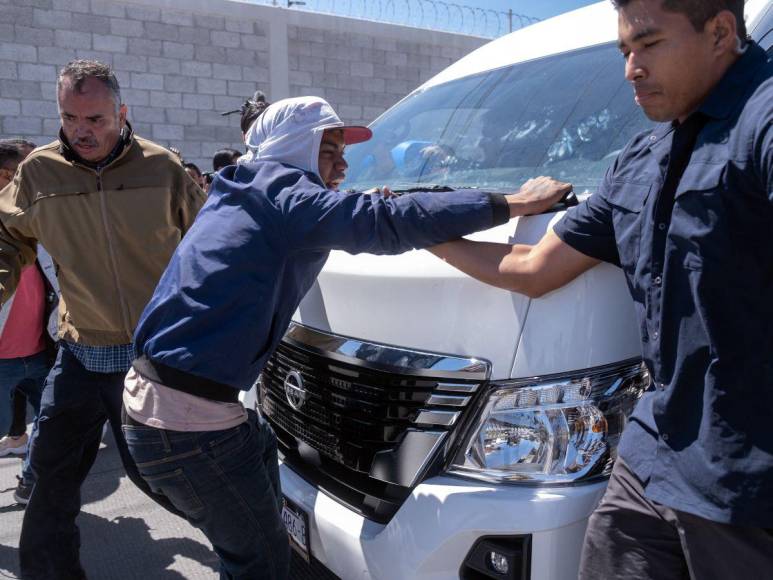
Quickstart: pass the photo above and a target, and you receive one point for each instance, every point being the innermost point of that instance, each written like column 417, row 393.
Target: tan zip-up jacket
column 110, row 232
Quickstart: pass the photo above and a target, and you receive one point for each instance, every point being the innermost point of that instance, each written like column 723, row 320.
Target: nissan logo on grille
column 295, row 392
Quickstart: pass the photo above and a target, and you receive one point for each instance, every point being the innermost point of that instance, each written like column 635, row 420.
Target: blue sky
column 452, row 15
column 540, row 8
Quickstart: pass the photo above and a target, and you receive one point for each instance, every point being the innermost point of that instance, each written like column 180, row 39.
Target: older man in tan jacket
column 110, row 208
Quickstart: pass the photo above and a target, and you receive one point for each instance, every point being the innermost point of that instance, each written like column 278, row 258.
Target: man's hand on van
column 385, row 191
column 537, row 195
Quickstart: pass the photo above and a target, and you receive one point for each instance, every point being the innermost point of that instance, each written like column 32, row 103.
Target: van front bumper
column 434, row 530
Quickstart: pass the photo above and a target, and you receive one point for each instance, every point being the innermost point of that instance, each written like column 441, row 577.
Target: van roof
column 584, row 27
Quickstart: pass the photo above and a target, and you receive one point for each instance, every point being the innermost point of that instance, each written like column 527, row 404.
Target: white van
column 433, row 427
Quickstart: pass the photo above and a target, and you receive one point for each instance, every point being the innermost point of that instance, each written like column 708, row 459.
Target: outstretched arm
column 325, row 219
column 531, row 270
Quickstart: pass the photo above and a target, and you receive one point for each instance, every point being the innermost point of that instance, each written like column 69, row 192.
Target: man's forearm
column 501, row 265
column 530, row 270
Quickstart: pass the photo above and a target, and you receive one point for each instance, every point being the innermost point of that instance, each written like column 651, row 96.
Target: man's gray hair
column 77, row 71
column 701, row 11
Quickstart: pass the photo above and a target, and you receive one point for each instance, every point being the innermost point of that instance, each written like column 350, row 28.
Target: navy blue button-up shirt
column 701, row 437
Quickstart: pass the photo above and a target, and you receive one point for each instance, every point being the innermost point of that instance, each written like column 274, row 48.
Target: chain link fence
column 430, row 14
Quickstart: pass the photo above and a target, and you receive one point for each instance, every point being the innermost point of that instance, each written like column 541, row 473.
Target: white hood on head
column 290, row 131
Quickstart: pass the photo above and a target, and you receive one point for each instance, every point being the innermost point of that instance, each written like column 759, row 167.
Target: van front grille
column 362, row 421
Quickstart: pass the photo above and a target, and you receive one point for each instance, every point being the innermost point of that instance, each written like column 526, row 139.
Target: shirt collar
column 66, row 150
column 725, row 96
column 660, row 131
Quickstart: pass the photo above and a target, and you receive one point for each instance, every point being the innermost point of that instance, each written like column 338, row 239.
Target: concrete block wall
column 181, row 63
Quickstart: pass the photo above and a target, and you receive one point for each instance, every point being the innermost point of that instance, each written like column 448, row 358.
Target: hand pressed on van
column 537, row 195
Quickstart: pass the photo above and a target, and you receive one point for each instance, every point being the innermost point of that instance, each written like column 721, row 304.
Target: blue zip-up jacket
column 257, row 246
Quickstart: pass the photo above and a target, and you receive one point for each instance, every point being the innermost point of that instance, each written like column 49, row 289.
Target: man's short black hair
column 224, row 158
column 20, row 143
column 77, row 71
column 701, row 11
column 10, row 154
column 193, row 166
column 252, row 109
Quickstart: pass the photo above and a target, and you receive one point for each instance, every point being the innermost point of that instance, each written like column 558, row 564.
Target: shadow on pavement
column 126, row 550
column 122, row 548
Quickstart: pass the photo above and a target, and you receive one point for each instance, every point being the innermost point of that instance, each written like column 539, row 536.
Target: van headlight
column 559, row 429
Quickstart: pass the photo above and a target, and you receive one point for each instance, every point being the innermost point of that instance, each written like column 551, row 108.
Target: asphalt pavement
column 124, row 535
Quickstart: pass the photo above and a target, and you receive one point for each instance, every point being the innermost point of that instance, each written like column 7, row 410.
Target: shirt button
column 664, row 436
column 653, row 138
column 658, row 280
column 661, row 226
column 655, row 335
column 662, row 386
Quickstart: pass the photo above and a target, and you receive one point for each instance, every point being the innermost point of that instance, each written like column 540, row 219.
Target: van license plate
column 297, row 522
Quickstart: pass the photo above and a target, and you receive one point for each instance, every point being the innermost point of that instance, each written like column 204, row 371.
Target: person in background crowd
column 195, row 173
column 226, row 299
column 134, row 203
column 250, row 110
column 224, row 158
column 17, row 443
column 25, row 344
column 686, row 211
column 26, row 147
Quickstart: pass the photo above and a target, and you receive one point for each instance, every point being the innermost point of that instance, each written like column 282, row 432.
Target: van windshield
column 566, row 116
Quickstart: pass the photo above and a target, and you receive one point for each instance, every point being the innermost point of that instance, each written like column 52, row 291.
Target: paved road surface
column 124, row 535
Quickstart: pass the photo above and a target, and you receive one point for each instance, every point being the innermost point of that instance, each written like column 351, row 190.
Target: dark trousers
column 227, row 484
column 631, row 537
column 25, row 374
column 19, row 417
column 75, row 404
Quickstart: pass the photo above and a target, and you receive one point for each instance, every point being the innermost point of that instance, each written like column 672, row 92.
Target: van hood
column 416, row 301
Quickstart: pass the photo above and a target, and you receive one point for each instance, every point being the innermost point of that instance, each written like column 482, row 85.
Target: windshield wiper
column 404, row 188
column 431, row 187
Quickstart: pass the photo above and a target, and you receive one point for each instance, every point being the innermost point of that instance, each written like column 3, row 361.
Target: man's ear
column 122, row 111
column 723, row 29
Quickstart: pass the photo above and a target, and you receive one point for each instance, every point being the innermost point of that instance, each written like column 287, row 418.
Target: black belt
column 185, row 382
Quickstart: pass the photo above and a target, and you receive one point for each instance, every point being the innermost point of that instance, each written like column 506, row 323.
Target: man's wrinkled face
column 91, row 119
column 671, row 66
column 332, row 166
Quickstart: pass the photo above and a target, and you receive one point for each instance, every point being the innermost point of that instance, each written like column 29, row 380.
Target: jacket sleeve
column 190, row 198
column 320, row 219
column 18, row 247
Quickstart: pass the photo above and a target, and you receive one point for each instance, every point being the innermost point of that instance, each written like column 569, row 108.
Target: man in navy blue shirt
column 686, row 211
column 227, row 297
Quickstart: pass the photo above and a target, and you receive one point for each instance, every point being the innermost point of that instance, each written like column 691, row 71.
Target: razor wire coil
column 429, row 14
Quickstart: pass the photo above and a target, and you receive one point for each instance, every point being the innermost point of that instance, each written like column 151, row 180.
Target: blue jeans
column 28, row 373
column 227, row 485
column 75, row 404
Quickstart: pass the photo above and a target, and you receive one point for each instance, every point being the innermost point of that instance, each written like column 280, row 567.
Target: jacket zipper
column 111, row 252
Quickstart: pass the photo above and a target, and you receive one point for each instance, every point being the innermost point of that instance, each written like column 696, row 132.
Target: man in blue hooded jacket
column 227, row 297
